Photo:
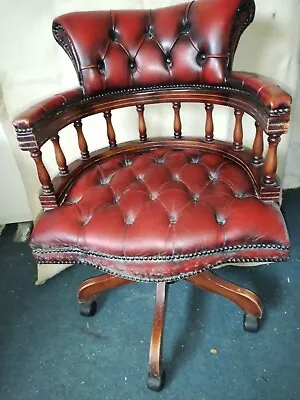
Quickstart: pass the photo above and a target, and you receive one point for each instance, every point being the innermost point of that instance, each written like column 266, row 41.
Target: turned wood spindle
column 177, row 120
column 270, row 164
column 238, row 131
column 59, row 155
column 110, row 130
column 81, row 141
column 142, row 125
column 209, row 124
column 258, row 146
column 43, row 174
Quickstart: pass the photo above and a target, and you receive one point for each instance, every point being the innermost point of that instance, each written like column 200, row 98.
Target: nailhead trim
column 158, row 257
column 164, row 279
column 156, row 87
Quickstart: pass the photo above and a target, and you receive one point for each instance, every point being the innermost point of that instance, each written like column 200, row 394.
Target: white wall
column 33, row 66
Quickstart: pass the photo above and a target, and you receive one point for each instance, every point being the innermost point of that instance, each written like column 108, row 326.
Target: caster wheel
column 88, row 309
column 251, row 324
column 156, row 383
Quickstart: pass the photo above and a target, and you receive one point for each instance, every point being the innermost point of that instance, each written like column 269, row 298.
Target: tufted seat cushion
column 161, row 215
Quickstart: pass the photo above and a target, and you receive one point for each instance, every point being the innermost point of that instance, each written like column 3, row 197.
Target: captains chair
column 160, row 209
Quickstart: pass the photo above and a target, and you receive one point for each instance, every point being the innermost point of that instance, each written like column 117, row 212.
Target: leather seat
column 163, row 214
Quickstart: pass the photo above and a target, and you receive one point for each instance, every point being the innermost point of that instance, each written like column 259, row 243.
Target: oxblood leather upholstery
column 161, row 215
column 270, row 94
column 187, row 43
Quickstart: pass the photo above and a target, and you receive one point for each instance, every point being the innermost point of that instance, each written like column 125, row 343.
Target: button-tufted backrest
column 187, row 43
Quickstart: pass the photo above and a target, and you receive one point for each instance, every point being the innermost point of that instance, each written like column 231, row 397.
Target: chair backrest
column 192, row 43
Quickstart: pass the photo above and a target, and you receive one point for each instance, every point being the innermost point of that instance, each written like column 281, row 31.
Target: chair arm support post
column 270, row 164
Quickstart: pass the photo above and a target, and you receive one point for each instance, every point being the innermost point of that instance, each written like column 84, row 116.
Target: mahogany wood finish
column 110, row 129
column 258, row 146
column 209, row 124
column 43, row 174
column 60, row 157
column 141, row 122
column 81, row 140
column 270, row 165
column 177, row 120
column 238, row 131
column 243, row 298
column 92, row 287
column 156, row 373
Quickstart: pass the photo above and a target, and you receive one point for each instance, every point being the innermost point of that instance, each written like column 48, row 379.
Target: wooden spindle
column 238, row 131
column 209, row 124
column 142, row 125
column 81, row 141
column 43, row 174
column 270, row 164
column 59, row 155
column 258, row 146
column 110, row 130
column 177, row 120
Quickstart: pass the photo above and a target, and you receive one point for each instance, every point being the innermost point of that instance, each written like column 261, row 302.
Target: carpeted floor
column 47, row 351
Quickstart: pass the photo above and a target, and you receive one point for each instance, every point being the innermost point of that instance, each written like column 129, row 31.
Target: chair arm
column 272, row 96
column 50, row 106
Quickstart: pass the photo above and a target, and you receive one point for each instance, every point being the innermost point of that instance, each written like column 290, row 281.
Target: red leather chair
column 161, row 209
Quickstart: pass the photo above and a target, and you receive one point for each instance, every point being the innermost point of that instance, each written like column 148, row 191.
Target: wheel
column 251, row 323
column 88, row 309
column 156, row 382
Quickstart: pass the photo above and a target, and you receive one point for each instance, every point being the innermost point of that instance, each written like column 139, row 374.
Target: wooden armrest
column 29, row 118
column 272, row 96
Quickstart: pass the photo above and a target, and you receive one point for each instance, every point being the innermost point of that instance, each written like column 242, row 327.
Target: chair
column 160, row 209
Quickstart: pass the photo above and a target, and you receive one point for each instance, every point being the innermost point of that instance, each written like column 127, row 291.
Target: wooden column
column 43, row 174
column 60, row 157
column 209, row 124
column 110, row 130
column 270, row 164
column 81, row 141
column 177, row 121
column 258, row 146
column 142, row 125
column 238, row 130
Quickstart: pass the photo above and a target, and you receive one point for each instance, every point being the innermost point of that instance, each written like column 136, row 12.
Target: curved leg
column 92, row 287
column 248, row 301
column 156, row 374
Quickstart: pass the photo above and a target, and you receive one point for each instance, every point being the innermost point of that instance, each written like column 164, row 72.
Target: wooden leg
column 92, row 287
column 156, row 373
column 248, row 301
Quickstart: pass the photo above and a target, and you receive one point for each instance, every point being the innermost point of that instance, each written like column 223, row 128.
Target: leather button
column 127, row 162
column 194, row 159
column 114, row 36
column 200, row 58
column 186, row 27
column 195, row 197
column 213, row 176
column 169, row 61
column 172, row 219
column 160, row 160
column 132, row 64
column 175, row 178
column 149, row 33
column 129, row 220
column 220, row 219
column 101, row 67
column 153, row 196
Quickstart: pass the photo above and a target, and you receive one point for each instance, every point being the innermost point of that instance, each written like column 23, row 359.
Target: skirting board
column 47, row 271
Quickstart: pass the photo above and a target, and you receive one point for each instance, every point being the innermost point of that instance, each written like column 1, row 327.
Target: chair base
column 248, row 301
